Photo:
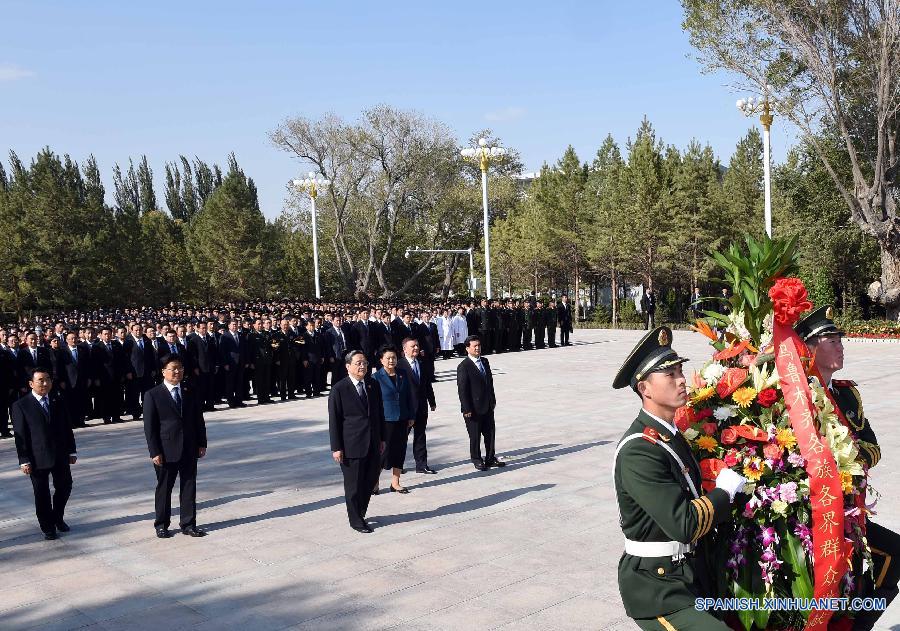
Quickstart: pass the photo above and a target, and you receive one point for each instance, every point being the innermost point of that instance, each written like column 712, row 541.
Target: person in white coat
column 460, row 331
column 445, row 333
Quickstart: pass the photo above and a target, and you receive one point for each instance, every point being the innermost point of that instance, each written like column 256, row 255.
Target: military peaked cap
column 652, row 354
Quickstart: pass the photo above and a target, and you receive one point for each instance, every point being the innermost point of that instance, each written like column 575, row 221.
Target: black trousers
column 206, row 390
column 420, row 450
column 480, row 426
column 50, row 511
column 551, row 336
column 487, row 341
column 564, row 335
column 526, row 338
column 338, row 370
column 109, row 400
column 286, row 378
column 186, row 472
column 360, row 475
column 460, row 349
column 234, row 384
column 262, row 381
column 77, row 403
column 134, row 392
column 539, row 337
column 885, row 545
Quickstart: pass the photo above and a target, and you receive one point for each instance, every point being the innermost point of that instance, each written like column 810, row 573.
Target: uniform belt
column 654, row 549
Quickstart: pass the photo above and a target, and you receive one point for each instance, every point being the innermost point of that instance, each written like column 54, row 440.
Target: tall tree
column 826, row 65
column 145, row 185
column 226, row 243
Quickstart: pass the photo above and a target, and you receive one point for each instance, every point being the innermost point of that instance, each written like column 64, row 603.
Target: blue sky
column 119, row 79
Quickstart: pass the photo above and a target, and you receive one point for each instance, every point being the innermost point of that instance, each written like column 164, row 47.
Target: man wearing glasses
column 176, row 438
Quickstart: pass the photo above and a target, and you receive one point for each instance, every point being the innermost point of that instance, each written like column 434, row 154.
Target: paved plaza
column 531, row 546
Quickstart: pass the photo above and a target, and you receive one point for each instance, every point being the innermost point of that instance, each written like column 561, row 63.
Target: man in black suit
column 335, row 349
column 233, row 355
column 402, row 329
column 106, row 363
column 198, row 350
column 142, row 364
column 355, row 427
column 420, row 375
column 9, row 378
column 176, row 438
column 45, row 445
column 564, row 317
column 312, row 359
column 477, row 401
column 76, row 370
column 364, row 335
column 30, row 358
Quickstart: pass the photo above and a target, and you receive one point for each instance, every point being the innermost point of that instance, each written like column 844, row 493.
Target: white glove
column 730, row 482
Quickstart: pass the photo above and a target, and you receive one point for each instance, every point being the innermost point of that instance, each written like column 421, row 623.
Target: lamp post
column 750, row 106
column 311, row 184
column 467, row 251
column 484, row 155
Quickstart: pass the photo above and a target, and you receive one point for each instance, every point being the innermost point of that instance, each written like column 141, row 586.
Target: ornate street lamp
column 484, row 155
column 754, row 105
column 311, row 184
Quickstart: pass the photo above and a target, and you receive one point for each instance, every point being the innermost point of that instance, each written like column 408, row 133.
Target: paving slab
column 532, row 546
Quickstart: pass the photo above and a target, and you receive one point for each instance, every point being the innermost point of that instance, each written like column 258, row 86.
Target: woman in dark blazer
column 399, row 404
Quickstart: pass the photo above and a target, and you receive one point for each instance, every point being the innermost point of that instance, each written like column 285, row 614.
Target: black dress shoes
column 50, row 535
column 365, row 528
column 425, row 469
column 62, row 526
column 193, row 531
column 402, row 489
column 481, row 466
column 163, row 533
column 496, row 463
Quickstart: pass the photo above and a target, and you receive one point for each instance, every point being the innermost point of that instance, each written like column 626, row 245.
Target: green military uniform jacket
column 657, row 504
column 850, row 402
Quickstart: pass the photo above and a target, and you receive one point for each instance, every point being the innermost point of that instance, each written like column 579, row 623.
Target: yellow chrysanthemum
column 707, row 443
column 753, row 469
column 846, row 481
column 744, row 396
column 703, row 394
column 785, row 438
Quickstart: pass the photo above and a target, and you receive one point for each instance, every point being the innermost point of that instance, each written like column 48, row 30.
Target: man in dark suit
column 76, row 373
column 402, row 329
column 335, row 349
column 106, row 364
column 30, row 358
column 176, row 438
column 420, row 376
column 363, row 335
column 564, row 317
column 198, row 350
column 142, row 364
column 312, row 359
column 233, row 355
column 45, row 445
column 9, row 378
column 477, row 401
column 355, row 427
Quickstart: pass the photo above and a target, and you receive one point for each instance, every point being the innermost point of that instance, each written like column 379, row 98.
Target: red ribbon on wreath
column 789, row 299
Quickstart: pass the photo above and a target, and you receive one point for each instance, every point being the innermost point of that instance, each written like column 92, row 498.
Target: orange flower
column 701, row 327
column 732, row 351
column 707, row 443
column 733, row 379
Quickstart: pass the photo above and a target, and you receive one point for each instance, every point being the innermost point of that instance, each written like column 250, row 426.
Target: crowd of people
column 169, row 366
column 103, row 362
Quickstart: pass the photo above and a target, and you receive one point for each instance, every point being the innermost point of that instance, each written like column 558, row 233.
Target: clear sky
column 119, row 79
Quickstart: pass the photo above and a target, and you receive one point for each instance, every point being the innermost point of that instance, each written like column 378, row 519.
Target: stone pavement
column 531, row 546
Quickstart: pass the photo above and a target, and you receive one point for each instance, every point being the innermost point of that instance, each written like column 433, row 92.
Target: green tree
column 226, row 245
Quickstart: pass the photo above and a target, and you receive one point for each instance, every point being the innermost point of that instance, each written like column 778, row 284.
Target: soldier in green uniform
column 662, row 509
column 823, row 337
column 550, row 319
column 538, row 324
